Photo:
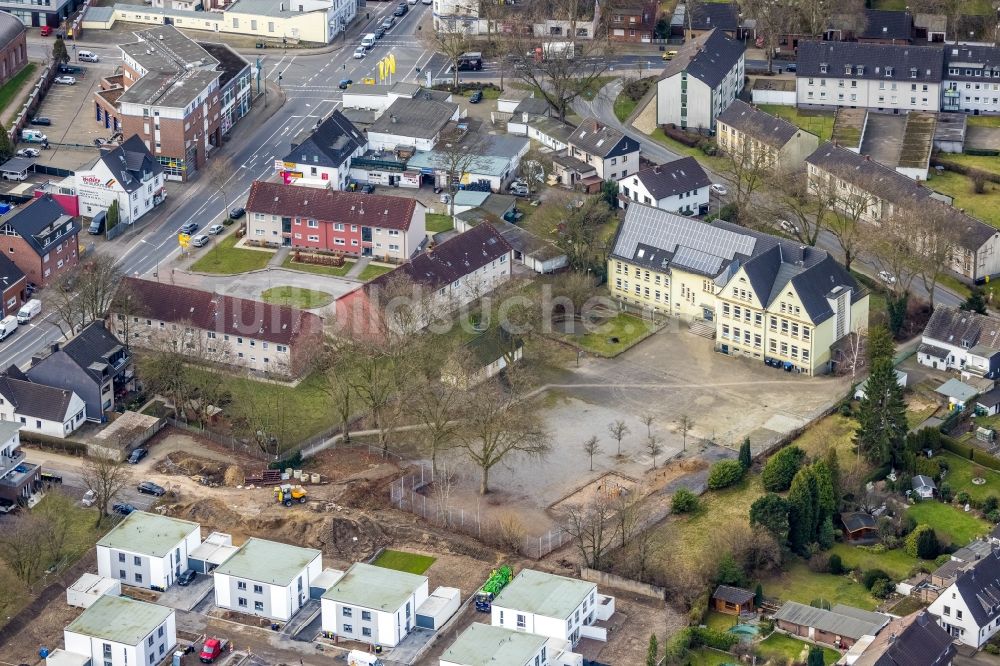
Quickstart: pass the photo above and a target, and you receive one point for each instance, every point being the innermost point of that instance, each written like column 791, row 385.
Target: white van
column 14, row 175
column 7, row 326
column 28, row 311
column 33, row 135
column 88, row 56
column 368, row 40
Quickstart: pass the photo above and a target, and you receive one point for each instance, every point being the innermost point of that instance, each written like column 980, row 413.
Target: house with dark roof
column 270, row 339
column 956, row 339
column 128, row 174
column 323, row 158
column 856, row 178
column 971, row 73
column 732, row 600
column 458, row 271
column 93, row 364
column 969, row 609
column 41, row 240
column 891, row 77
column 914, row 640
column 886, row 27
column 859, row 526
column 611, row 152
column 680, row 186
column 415, row 123
column 330, row 220
column 12, row 287
column 483, row 357
column 710, row 71
column 760, row 138
column 707, row 16
column 767, row 298
column 839, row 627
column 47, row 410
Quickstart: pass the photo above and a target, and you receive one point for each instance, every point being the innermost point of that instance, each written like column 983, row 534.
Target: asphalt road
column 309, row 83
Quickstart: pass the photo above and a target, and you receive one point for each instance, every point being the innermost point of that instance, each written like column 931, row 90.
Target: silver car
column 215, row 229
column 200, row 240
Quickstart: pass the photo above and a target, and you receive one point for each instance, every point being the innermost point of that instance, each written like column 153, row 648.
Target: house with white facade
column 267, row 579
column 323, row 158
column 963, row 340
column 971, row 79
column 373, row 604
column 128, row 174
column 969, row 608
column 700, row 82
column 612, row 153
column 494, row 160
column 119, row 631
column 46, row 410
column 19, row 479
column 680, row 187
column 460, row 270
column 874, row 76
column 147, row 550
column 483, row 644
column 554, row 606
column 414, row 123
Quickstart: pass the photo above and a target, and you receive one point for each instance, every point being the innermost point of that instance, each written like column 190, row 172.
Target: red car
column 46, row 31
column 212, row 649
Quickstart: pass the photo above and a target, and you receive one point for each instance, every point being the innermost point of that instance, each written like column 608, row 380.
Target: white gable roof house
column 969, row 609
column 553, row 606
column 957, row 339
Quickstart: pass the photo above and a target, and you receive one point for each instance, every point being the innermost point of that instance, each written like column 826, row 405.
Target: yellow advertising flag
column 381, row 70
column 392, row 63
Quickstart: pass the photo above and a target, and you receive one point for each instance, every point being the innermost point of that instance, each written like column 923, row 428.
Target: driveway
column 186, row 597
column 252, row 285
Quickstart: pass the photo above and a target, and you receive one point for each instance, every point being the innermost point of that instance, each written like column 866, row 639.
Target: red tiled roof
column 279, row 324
column 370, row 210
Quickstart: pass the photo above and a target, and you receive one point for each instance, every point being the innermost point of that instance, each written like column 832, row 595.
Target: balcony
column 7, row 463
column 17, row 475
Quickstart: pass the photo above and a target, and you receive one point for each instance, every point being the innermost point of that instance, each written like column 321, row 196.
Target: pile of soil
column 209, row 472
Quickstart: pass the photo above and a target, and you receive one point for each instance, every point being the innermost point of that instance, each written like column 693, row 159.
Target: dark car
column 367, row 188
column 137, row 455
column 31, row 288
column 791, row 67
column 122, row 509
column 401, row 9
column 476, row 98
column 380, row 32
column 187, row 577
column 189, row 228
column 41, row 120
column 345, row 84
column 237, row 213
column 150, row 488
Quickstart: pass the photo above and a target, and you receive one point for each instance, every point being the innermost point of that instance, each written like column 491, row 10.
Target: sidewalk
column 360, row 265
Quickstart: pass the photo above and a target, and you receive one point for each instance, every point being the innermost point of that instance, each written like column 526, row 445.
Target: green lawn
column 226, row 259
column 819, row 123
column 627, row 328
column 915, row 418
column 985, row 206
column 784, row 649
column 720, row 621
column 488, row 93
column 624, row 106
column 10, row 90
column 834, row 431
column 336, row 271
column 709, row 657
column 984, row 121
column 961, row 471
column 800, row 584
column 402, row 561
column 948, row 521
column 436, row 222
column 372, row 271
column 908, row 605
column 896, row 563
column 981, row 162
column 714, row 163
column 296, row 297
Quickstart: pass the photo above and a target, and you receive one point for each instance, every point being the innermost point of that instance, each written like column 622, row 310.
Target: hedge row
column 40, row 441
column 677, row 134
column 972, row 453
column 965, row 170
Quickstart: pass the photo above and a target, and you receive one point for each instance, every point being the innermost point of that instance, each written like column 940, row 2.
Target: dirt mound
column 364, row 494
column 211, row 513
column 210, row 472
column 234, row 476
column 353, row 538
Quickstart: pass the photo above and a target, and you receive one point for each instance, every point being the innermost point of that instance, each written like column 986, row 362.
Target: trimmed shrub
column 835, row 565
column 713, row 638
column 911, row 545
column 781, row 468
column 724, row 474
column 684, row 501
column 872, row 576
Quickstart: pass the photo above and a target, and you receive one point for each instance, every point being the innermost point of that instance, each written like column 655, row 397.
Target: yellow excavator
column 287, row 494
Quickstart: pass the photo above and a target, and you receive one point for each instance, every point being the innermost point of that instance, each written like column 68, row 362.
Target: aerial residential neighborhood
column 440, row 333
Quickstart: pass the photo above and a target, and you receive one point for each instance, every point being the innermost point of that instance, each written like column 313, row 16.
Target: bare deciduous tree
column 592, row 447
column 458, row 153
column 844, row 211
column 648, row 420
column 452, row 40
column 938, row 241
column 747, row 170
column 22, row 546
column 436, row 408
column 592, row 527
column 653, row 447
column 684, row 424
column 789, row 199
column 85, row 294
column 107, row 477
column 815, row 17
column 618, row 430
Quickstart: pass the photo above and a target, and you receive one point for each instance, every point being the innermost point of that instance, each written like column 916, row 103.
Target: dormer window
column 861, row 70
column 888, row 71
column 847, row 70
column 913, row 72
column 822, row 68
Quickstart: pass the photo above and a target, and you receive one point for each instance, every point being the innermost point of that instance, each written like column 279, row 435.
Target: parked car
column 215, row 229
column 669, row 55
column 137, row 455
column 367, row 188
column 88, row 56
column 150, row 488
column 201, row 240
column 187, row 577
column 788, row 227
column 388, row 22
column 476, row 98
column 379, row 32
column 345, row 84
column 401, row 9
column 27, row 152
column 360, row 52
column 237, row 213
column 791, row 67
column 45, row 31
column 89, row 498
column 189, row 228
column 412, row 2
column 65, row 80
column 41, row 120
column 718, row 188
column 427, row 2
column 69, row 69
column 887, row 277
column 122, row 508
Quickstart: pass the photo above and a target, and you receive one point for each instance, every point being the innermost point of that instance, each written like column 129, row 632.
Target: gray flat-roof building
column 147, row 550
column 119, row 630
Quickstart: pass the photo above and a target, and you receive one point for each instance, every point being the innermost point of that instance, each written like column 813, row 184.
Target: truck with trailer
column 499, row 578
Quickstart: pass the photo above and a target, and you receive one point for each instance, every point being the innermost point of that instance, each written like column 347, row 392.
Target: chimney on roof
column 54, row 347
column 392, row 117
column 892, row 638
column 868, row 158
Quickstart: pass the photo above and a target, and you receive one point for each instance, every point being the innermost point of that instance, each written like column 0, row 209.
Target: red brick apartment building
column 178, row 95
column 633, row 22
column 41, row 239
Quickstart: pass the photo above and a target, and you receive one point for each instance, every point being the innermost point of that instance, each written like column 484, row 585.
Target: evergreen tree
column 881, row 434
column 880, row 345
column 6, row 148
column 826, row 495
column 746, row 457
column 609, row 192
column 802, row 511
column 815, row 656
column 780, row 469
column 758, row 595
column 653, row 652
column 113, row 215
column 896, row 308
column 730, row 572
column 975, row 302
column 771, row 513
column 59, row 52
column 826, row 534
column 833, row 465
